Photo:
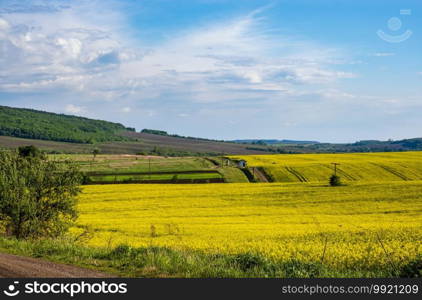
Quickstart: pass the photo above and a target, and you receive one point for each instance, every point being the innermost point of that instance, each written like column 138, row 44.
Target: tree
column 335, row 180
column 29, row 151
column 37, row 196
column 95, row 152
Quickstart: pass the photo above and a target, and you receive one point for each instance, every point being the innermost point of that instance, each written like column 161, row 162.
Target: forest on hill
column 20, row 126
column 34, row 124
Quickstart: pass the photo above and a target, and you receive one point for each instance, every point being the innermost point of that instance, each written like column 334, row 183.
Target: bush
column 29, row 151
column 412, row 269
column 95, row 152
column 247, row 261
column 335, row 180
column 174, row 179
column 121, row 251
column 37, row 196
column 86, row 179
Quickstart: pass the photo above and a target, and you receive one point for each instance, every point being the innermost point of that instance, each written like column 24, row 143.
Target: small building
column 242, row 163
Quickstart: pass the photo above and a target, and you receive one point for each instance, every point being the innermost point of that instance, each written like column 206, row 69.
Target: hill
column 362, row 167
column 139, row 143
column 190, row 144
column 71, row 134
column 273, row 142
column 145, row 144
column 59, row 133
column 34, row 124
column 414, row 144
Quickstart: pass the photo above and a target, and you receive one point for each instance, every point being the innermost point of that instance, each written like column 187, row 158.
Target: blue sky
column 335, row 71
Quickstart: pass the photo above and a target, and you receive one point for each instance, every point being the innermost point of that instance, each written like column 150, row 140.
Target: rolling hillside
column 274, row 142
column 366, row 167
column 145, row 144
column 193, row 144
column 71, row 134
column 34, row 124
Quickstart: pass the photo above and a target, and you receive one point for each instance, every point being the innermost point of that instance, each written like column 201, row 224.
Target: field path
column 13, row 266
column 259, row 175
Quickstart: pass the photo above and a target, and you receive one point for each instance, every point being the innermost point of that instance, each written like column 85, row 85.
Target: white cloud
column 82, row 54
column 384, row 54
column 253, row 77
column 74, row 109
column 232, row 56
column 58, row 48
column 4, row 25
column 73, row 49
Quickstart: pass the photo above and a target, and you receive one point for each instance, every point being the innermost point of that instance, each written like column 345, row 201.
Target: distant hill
column 165, row 133
column 192, row 145
column 274, row 142
column 35, row 124
column 414, row 144
column 59, row 133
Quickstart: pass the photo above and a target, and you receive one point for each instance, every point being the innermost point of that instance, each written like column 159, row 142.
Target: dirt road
column 259, row 175
column 13, row 266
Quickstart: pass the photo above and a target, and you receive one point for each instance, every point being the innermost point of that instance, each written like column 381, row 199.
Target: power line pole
column 149, row 167
column 335, row 167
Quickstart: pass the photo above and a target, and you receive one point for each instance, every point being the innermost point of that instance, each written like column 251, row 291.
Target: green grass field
column 155, row 177
column 136, row 163
column 116, row 168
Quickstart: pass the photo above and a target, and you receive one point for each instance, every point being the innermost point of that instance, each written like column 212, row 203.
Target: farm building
column 241, row 163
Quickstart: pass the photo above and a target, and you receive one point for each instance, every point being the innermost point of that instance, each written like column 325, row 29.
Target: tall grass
column 163, row 262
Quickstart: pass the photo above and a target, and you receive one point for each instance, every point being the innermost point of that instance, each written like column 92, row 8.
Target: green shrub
column 412, row 269
column 335, row 180
column 86, row 179
column 121, row 251
column 247, row 261
column 29, row 151
column 37, row 196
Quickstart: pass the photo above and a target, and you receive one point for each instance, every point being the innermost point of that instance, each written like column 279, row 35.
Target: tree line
column 33, row 124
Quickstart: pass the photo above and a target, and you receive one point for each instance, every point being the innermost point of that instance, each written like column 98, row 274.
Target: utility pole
column 149, row 167
column 335, row 167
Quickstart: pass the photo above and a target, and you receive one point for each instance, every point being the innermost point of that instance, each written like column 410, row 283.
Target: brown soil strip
column 13, row 266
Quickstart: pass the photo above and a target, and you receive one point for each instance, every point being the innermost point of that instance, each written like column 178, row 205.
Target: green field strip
column 121, row 173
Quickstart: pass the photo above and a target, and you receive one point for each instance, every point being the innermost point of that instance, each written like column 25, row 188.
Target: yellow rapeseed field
column 359, row 226
column 366, row 167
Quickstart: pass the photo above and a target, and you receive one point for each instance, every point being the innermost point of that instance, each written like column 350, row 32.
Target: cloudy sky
column 335, row 71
